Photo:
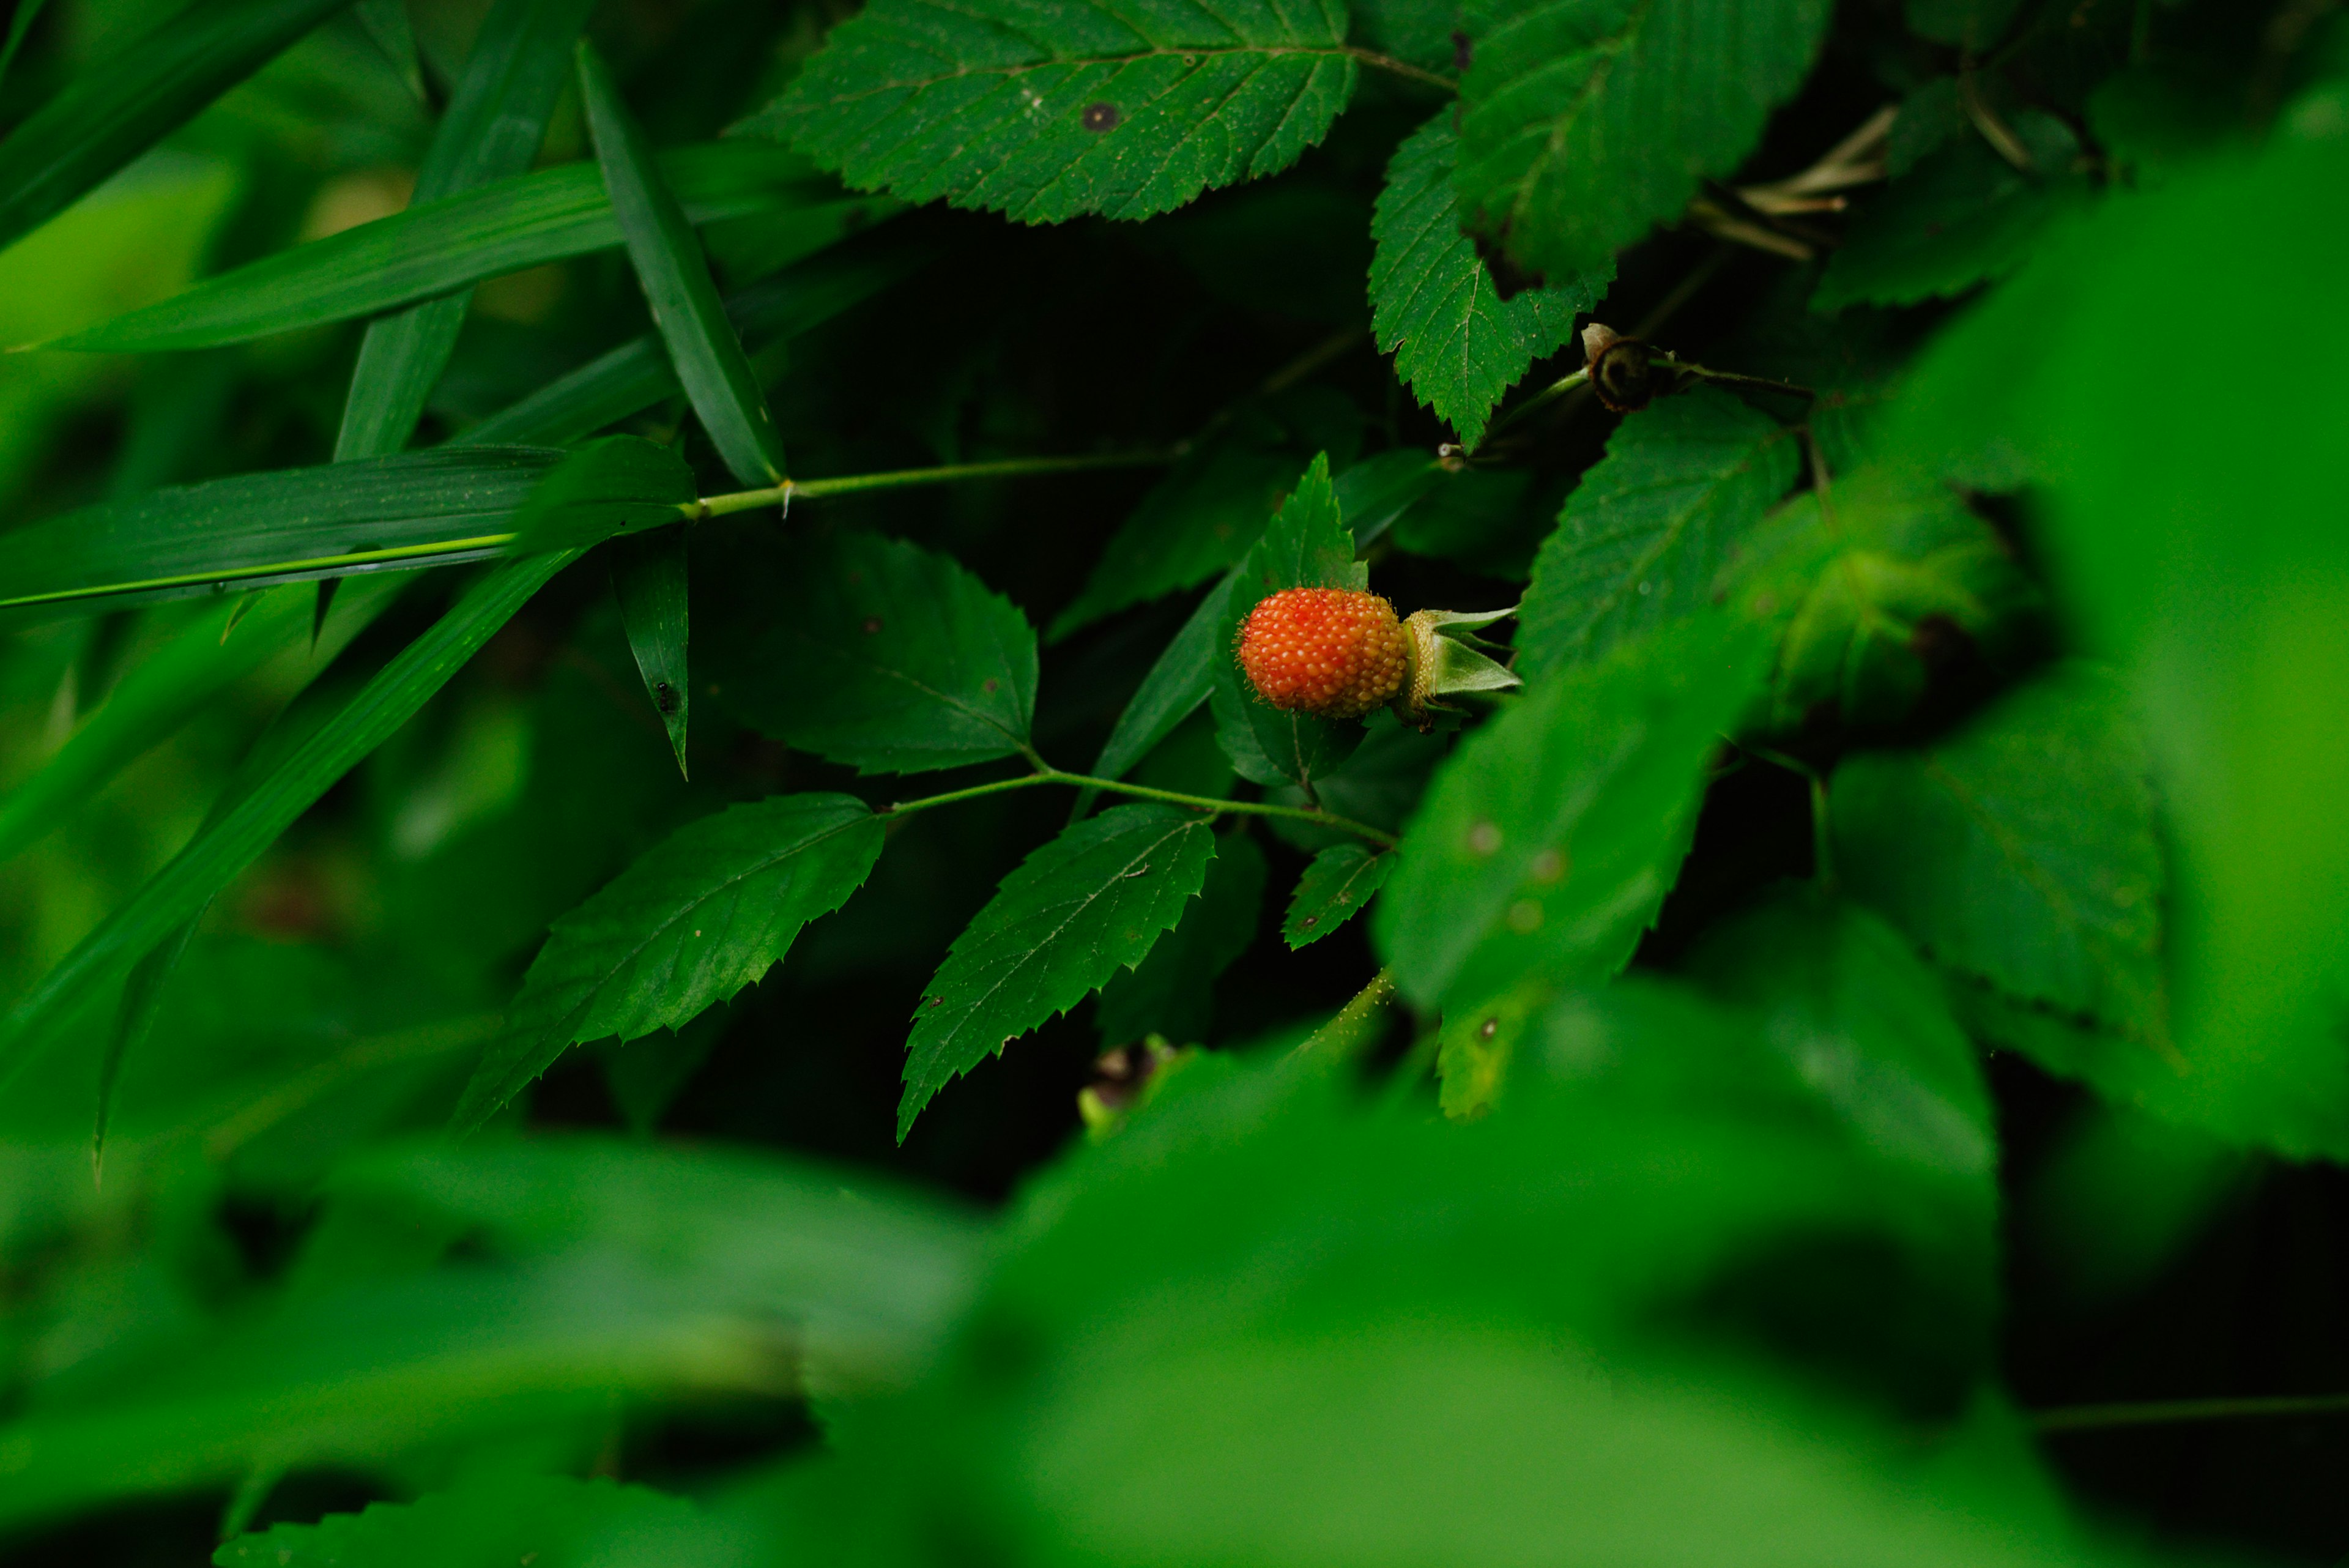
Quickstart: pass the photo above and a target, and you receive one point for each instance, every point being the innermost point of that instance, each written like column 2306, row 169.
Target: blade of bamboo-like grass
column 667, row 253
column 648, row 578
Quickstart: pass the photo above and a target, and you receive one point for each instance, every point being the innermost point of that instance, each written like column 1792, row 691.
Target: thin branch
column 792, row 490
column 1377, row 61
column 1050, row 775
column 2171, row 1412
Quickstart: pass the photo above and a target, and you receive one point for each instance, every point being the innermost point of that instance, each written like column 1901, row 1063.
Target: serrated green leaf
column 1198, row 521
column 1962, row 215
column 117, row 107
column 1434, row 307
column 649, row 579
column 1583, row 122
column 1306, row 546
column 1091, row 902
column 1335, row 888
column 547, row 1522
column 1550, row 839
column 1645, row 536
column 1864, row 1023
column 492, row 130
column 636, row 375
column 699, row 916
column 418, row 509
column 675, row 276
column 228, row 845
column 1044, row 112
column 873, row 652
column 1870, row 586
column 431, row 248
column 1172, row 689
column 1171, row 991
column 2022, row 851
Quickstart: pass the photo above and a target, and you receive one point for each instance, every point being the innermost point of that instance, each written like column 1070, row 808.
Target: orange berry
column 1336, row 652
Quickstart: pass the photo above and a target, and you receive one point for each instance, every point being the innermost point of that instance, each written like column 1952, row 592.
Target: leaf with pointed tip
column 433, row 247
column 873, row 652
column 675, row 276
column 1172, row 689
column 117, row 108
column 694, row 921
column 618, row 484
column 1089, row 903
column 1583, row 122
column 1171, row 991
column 1434, row 304
column 649, row 579
column 134, row 1019
column 1550, row 837
column 387, row 27
column 1335, row 888
column 1307, row 547
column 1646, row 533
column 492, row 130
column 1045, row 111
column 218, row 852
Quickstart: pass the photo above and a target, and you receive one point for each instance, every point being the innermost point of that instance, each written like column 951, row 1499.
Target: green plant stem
column 1538, row 402
column 1345, row 1037
column 791, row 489
column 1050, row 775
column 2094, row 1417
column 1377, row 61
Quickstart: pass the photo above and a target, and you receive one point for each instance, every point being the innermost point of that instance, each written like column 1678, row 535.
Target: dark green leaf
column 1047, row 111
column 695, row 920
column 544, row 1520
column 1334, row 889
column 1884, row 573
column 20, row 22
column 134, row 1019
column 490, row 131
column 387, row 26
column 430, row 249
column 675, row 276
column 637, row 374
column 873, row 652
column 1172, row 689
column 216, row 855
column 1171, row 991
column 2022, row 851
column 1962, row 215
column 1974, row 25
column 117, row 107
column 1551, row 836
column 1306, row 546
column 417, row 509
column 1089, row 903
column 1434, row 308
column 646, row 1076
column 1646, row 535
column 1583, row 122
column 1375, row 492
column 649, row 577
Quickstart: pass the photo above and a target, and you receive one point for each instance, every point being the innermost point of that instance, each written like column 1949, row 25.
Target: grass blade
column 649, row 577
column 549, row 216
column 387, row 26
column 669, row 264
column 142, row 998
column 175, row 894
column 492, row 130
column 113, row 111
column 28, row 13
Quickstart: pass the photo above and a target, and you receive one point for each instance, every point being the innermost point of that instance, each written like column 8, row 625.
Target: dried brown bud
column 1623, row 371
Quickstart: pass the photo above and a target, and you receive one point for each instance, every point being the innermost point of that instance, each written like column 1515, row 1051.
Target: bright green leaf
column 1550, row 839
column 698, row 917
column 1046, row 111
column 1646, row 535
column 1092, row 902
column 1171, row 991
column 675, row 276
column 1584, row 122
column 873, row 652
column 1434, row 308
column 1334, row 889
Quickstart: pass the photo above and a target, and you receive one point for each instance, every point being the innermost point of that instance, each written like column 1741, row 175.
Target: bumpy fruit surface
column 1334, row 652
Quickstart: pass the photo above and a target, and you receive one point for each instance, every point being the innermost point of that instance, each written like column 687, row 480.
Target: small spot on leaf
column 1490, row 1027
column 1485, row 839
column 1311, row 921
column 1548, row 866
column 1101, row 116
column 872, row 624
column 1524, row 917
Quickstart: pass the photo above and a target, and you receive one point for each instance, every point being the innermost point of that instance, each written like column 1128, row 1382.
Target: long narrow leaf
column 637, row 374
column 669, row 264
column 431, row 248
column 220, row 851
column 116, row 110
column 648, row 578
column 416, row 509
column 492, row 130
column 28, row 13
column 1172, row 689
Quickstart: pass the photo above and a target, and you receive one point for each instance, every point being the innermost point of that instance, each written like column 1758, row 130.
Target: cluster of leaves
column 445, row 731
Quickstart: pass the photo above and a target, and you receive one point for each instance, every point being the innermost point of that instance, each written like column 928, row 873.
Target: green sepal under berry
column 1446, row 663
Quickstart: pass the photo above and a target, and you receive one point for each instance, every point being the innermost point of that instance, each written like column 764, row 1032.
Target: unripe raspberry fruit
column 1335, row 652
